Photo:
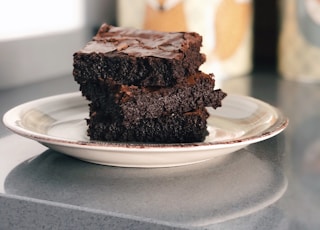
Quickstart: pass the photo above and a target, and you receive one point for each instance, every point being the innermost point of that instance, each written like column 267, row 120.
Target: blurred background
column 38, row 38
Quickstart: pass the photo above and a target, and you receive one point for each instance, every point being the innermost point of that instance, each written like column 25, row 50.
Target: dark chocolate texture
column 138, row 57
column 173, row 128
column 134, row 103
column 145, row 86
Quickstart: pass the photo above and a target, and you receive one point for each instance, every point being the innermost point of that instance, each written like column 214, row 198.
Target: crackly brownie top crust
column 142, row 43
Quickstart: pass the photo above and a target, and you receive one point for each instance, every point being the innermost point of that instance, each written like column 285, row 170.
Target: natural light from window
column 24, row 19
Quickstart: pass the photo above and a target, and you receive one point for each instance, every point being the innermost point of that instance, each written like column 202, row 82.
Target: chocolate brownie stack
column 145, row 86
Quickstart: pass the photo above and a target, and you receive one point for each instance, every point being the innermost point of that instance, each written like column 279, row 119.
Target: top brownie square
column 138, row 57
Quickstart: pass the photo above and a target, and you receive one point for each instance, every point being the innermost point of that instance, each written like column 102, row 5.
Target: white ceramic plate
column 58, row 122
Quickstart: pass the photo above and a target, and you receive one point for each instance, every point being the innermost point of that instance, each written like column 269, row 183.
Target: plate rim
column 11, row 123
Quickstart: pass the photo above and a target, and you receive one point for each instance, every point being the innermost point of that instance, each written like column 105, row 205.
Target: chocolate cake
column 172, row 128
column 133, row 103
column 145, row 86
column 138, row 57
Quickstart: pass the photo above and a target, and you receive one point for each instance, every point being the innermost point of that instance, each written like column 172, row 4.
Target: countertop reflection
column 196, row 195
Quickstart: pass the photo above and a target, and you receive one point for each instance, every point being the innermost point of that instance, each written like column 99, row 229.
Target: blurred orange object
column 226, row 27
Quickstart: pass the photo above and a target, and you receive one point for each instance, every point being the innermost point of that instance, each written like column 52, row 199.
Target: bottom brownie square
column 173, row 128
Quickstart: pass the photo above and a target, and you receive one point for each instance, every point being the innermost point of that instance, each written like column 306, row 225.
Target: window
column 21, row 19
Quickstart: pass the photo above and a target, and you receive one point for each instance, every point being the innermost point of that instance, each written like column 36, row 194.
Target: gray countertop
column 273, row 184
